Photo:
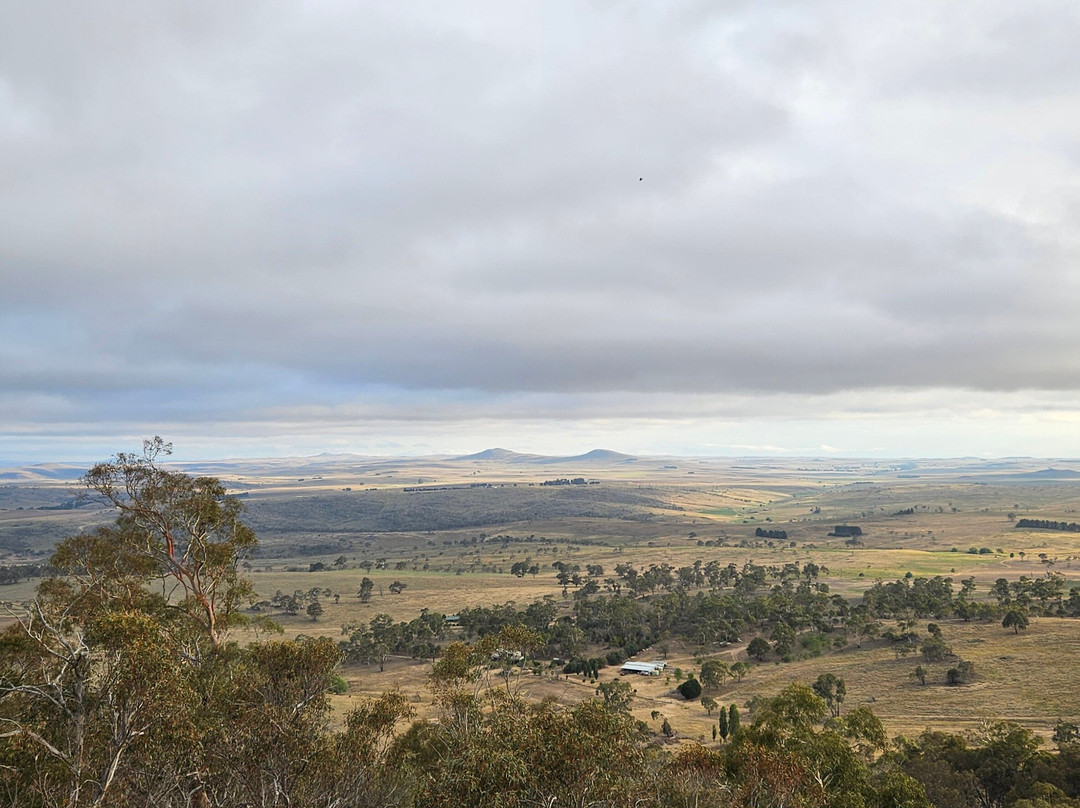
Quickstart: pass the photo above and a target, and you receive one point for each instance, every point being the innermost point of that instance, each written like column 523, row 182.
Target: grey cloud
column 209, row 212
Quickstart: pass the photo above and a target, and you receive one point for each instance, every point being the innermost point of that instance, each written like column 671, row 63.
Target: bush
column 963, row 673
column 338, row 686
column 758, row 648
column 934, row 649
column 814, row 643
column 616, row 657
column 690, row 689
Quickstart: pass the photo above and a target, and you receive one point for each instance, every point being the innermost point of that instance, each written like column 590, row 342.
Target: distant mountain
column 1047, row 475
column 507, row 456
column 498, row 454
column 600, row 456
column 1050, row 474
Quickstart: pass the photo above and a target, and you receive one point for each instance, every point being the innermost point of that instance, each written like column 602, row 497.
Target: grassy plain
column 454, row 548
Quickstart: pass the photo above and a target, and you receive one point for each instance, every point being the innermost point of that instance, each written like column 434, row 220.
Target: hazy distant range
column 596, row 462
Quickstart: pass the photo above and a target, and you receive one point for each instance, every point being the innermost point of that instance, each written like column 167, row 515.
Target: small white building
column 640, row 668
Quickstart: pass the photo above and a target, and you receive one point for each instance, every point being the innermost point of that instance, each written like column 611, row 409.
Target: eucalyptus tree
column 179, row 533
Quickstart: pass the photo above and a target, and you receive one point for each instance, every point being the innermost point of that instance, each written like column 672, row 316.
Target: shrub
column 961, row 674
column 690, row 689
column 934, row 649
column 814, row 643
column 338, row 686
column 616, row 657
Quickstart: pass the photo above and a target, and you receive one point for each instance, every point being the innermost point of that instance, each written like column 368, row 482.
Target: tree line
column 1047, row 524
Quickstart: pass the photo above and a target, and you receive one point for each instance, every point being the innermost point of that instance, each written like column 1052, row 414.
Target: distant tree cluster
column 762, row 533
column 523, row 568
column 13, row 573
column 921, row 597
column 1046, row 524
column 589, row 667
column 300, row 600
column 565, row 481
column 847, row 531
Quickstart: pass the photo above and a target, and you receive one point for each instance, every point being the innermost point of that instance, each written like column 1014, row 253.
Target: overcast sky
column 418, row 227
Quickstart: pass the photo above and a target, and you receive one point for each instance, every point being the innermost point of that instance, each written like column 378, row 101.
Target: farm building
column 642, row 668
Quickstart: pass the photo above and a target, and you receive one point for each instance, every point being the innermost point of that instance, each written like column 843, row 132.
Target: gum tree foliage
column 709, row 703
column 713, row 673
column 787, row 757
column 758, row 648
column 1015, row 619
column 833, row 689
column 1002, row 767
column 365, row 590
column 179, row 532
column 617, row 695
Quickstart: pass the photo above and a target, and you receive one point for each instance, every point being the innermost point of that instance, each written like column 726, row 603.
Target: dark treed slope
column 373, row 511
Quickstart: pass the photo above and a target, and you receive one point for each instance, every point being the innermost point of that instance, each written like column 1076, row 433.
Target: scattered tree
column 690, row 689
column 733, row 720
column 713, row 673
column 758, row 648
column 366, row 587
column 1015, row 619
column 831, row 688
column 934, row 649
column 963, row 673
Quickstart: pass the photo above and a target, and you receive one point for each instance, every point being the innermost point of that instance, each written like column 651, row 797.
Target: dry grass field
column 1029, row 678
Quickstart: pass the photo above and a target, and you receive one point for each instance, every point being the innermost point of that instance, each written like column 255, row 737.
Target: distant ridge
column 1051, row 474
column 507, row 456
column 43, row 471
column 497, row 454
column 599, row 456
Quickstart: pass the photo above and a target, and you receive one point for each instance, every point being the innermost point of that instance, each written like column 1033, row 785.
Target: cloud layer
column 280, row 220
